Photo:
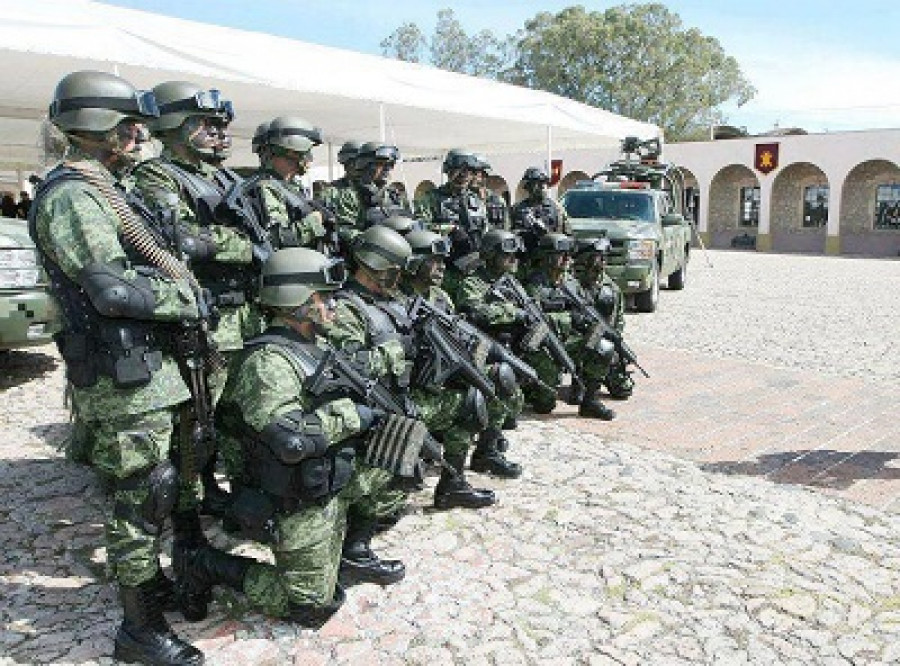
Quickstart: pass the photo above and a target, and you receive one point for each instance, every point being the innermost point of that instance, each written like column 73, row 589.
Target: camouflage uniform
column 266, row 384
column 599, row 294
column 75, row 227
column 460, row 215
column 273, row 192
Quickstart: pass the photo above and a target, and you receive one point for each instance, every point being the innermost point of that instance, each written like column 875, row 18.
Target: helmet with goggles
column 292, row 275
column 380, row 249
column 88, row 101
column 556, row 243
column 180, row 100
column 460, row 158
column 501, row 241
column 292, row 133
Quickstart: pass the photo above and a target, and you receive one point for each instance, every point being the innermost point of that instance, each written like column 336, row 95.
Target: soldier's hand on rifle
column 370, row 417
column 199, row 247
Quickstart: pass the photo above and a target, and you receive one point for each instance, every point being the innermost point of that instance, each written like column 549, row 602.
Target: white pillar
column 765, row 203
column 833, row 227
column 705, row 198
column 20, row 178
column 550, row 153
column 330, row 161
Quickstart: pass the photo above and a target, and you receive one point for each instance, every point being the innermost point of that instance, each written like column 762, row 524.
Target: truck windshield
column 609, row 204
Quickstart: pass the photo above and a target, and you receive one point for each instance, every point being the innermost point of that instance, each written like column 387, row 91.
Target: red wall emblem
column 766, row 159
column 555, row 171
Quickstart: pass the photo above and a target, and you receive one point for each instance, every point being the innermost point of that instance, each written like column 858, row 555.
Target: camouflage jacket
column 474, row 298
column 547, row 210
column 555, row 307
column 357, row 209
column 156, row 184
column 283, row 231
column 442, row 210
column 75, row 226
column 265, row 384
column 592, row 293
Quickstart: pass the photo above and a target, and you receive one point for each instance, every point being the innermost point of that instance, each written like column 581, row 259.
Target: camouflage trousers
column 441, row 412
column 308, row 544
column 500, row 410
column 591, row 368
column 125, row 449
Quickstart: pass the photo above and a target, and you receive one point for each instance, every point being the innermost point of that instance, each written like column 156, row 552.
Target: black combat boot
column 216, row 501
column 313, row 617
column 359, row 564
column 199, row 569
column 164, row 590
column 145, row 637
column 488, row 458
column 592, row 408
column 453, row 490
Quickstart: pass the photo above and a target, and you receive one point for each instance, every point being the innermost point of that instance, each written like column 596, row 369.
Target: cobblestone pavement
column 607, row 551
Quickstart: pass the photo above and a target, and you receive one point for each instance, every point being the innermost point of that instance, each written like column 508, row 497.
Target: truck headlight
column 642, row 250
column 19, row 268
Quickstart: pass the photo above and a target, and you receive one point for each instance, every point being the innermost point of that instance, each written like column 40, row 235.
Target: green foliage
column 636, row 60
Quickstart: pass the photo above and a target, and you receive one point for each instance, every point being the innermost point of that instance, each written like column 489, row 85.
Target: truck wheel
column 676, row 279
column 646, row 301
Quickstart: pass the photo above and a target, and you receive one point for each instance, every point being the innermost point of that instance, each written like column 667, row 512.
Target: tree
column 451, row 48
column 635, row 60
column 406, row 43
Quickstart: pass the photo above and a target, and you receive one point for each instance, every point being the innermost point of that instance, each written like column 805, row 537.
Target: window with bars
column 815, row 206
column 887, row 206
column 749, row 211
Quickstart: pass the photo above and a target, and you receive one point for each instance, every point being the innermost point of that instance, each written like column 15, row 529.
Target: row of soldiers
column 314, row 347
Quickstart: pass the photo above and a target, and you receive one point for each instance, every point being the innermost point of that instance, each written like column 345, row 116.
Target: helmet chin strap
column 107, row 147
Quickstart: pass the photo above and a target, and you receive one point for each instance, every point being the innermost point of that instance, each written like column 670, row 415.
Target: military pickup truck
column 27, row 313
column 638, row 204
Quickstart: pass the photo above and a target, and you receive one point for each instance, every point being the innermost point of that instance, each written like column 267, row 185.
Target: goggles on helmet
column 439, row 246
column 564, row 244
column 405, row 263
column 205, row 100
column 333, row 274
column 511, row 245
column 384, row 153
column 141, row 104
column 314, row 134
column 598, row 245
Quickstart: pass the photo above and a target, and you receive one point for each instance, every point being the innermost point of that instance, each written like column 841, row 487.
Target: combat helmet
column 88, row 101
column 556, row 243
column 587, row 247
column 180, row 100
column 536, row 175
column 259, row 136
column 374, row 151
column 292, row 133
column 425, row 244
column 501, row 241
column 459, row 158
column 380, row 249
column 348, row 152
column 291, row 275
column 481, row 162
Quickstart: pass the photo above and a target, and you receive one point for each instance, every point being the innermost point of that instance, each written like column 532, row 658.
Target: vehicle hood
column 585, row 227
column 15, row 230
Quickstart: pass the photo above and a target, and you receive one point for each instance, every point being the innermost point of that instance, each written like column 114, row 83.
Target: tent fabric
column 425, row 110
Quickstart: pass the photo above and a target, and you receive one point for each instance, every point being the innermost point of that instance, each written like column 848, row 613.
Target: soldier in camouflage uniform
column 424, row 279
column 372, row 318
column 497, row 210
column 118, row 308
column 284, row 209
column 537, row 214
column 592, row 357
column 369, row 198
column 601, row 291
column 456, row 210
column 183, row 179
column 290, row 455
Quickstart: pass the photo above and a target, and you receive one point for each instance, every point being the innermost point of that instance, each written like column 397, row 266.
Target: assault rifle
column 337, row 374
column 484, row 348
column 540, row 333
column 598, row 321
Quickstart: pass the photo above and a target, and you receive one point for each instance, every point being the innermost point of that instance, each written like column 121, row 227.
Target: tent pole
column 381, row 123
column 330, row 162
column 549, row 150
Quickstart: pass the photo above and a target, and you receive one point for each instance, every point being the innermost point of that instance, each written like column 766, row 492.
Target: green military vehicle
column 638, row 204
column 27, row 312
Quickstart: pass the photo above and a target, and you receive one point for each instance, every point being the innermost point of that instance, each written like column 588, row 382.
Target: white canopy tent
column 423, row 110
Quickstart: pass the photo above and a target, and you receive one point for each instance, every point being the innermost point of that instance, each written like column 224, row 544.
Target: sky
column 822, row 66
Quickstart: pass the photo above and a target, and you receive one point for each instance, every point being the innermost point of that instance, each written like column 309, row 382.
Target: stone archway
column 423, row 188
column 497, row 185
column 799, row 211
column 867, row 217
column 569, row 181
column 727, row 209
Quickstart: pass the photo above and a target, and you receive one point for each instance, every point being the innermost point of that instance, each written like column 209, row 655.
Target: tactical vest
column 230, row 284
column 298, row 207
column 310, row 480
column 386, row 320
column 128, row 351
column 379, row 205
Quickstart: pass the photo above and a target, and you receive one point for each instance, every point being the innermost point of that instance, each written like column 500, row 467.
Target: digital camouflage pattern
column 131, row 429
column 155, row 185
column 428, row 208
column 307, row 230
column 263, row 386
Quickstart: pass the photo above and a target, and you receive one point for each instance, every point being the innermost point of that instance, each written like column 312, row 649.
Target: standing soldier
column 601, row 291
column 497, row 210
column 424, row 279
column 538, row 214
column 592, row 356
column 288, row 215
column 118, row 289
column 181, row 187
column 455, row 210
column 370, row 199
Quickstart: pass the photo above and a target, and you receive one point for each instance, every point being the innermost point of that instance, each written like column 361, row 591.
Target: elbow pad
column 114, row 295
column 295, row 436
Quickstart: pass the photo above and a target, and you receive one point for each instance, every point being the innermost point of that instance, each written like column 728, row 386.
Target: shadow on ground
column 836, row 470
column 20, row 367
